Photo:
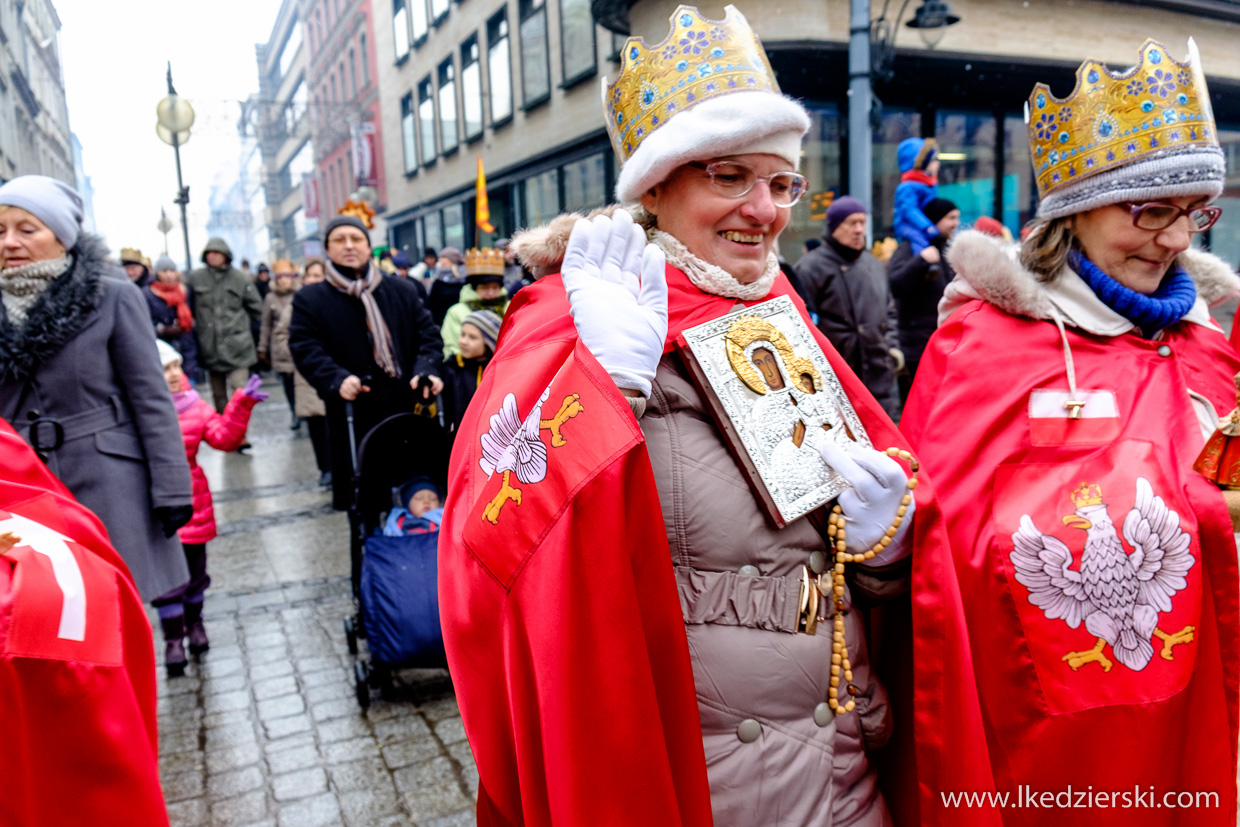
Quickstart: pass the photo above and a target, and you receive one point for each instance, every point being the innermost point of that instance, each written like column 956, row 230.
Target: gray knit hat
column 487, row 323
column 164, row 263
column 1188, row 171
column 345, row 221
column 53, row 202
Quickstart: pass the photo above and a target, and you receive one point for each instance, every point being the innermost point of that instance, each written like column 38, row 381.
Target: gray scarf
column 20, row 287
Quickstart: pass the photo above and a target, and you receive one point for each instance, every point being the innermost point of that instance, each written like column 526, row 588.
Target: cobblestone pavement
column 266, row 729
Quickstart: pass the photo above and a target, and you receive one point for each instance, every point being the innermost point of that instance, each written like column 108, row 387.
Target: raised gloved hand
column 870, row 505
column 172, row 517
column 618, row 293
column 251, row 389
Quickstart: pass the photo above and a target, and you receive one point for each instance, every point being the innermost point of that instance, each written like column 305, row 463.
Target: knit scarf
column 919, row 177
column 184, row 400
column 1165, row 306
column 21, row 286
column 710, row 278
column 363, row 289
column 174, row 295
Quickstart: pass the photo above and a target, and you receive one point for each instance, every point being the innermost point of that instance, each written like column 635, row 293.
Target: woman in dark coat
column 170, row 305
column 81, row 382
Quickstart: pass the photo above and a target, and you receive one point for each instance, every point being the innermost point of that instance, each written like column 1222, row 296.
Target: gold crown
column 1087, row 494
column 360, row 210
column 485, row 262
column 130, row 254
column 1113, row 119
column 700, row 59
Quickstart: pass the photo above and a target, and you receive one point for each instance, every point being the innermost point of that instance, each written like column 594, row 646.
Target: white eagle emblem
column 1118, row 595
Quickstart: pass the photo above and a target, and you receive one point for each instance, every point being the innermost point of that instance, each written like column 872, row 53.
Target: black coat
column 916, row 288
column 329, row 342
column 460, row 383
column 855, row 312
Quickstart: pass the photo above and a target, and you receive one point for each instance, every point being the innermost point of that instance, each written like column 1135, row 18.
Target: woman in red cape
column 599, row 684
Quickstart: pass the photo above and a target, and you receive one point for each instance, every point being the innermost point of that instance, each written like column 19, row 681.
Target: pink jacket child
column 180, row 610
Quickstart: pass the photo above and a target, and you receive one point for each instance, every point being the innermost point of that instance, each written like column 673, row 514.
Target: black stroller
column 395, row 591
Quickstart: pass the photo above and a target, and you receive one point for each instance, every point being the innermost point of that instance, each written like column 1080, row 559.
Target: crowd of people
column 1075, row 370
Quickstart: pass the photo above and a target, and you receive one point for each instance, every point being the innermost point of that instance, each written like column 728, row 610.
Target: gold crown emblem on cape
column 1087, row 494
column 485, row 262
column 700, row 59
column 1114, row 119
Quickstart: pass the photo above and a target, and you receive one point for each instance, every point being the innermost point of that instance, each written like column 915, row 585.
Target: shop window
column 542, row 198
column 821, row 165
column 1224, row 237
column 499, row 67
column 426, row 119
column 409, row 138
column 454, row 226
column 535, row 59
column 471, row 89
column 434, row 230
column 585, row 184
column 449, row 135
column 577, row 47
column 418, row 20
column 967, row 163
column 896, row 125
column 1020, row 192
column 400, row 28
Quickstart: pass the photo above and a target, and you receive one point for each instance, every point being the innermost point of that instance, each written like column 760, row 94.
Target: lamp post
column 175, row 117
column 871, row 51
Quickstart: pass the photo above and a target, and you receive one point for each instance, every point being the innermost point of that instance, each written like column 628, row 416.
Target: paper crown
column 131, row 254
column 1111, row 119
column 485, row 262
column 700, row 59
column 1087, row 494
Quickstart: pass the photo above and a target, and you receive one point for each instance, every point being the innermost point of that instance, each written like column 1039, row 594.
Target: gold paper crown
column 130, row 254
column 1114, row 119
column 700, row 59
column 360, row 210
column 485, row 262
column 1087, row 494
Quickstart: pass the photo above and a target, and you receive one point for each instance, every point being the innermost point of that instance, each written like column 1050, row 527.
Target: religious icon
column 777, row 400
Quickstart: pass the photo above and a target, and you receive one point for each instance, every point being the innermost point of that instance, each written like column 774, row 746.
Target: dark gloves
column 172, row 517
column 169, row 331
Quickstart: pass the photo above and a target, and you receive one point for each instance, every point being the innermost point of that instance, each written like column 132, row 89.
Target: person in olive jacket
column 846, row 287
column 225, row 304
column 364, row 338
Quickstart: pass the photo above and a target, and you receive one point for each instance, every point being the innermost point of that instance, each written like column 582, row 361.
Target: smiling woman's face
column 735, row 234
column 1136, row 258
column 25, row 239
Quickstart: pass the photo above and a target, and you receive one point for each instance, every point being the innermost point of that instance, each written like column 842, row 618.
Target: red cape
column 77, row 666
column 564, row 631
column 1158, row 727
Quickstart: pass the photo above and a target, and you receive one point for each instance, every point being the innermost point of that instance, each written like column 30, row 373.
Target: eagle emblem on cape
column 1117, row 594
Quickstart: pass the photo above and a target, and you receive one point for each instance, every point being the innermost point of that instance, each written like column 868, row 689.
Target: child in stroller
column 421, row 512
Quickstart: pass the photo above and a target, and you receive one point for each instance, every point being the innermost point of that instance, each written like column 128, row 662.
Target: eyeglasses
column 733, row 179
column 1158, row 215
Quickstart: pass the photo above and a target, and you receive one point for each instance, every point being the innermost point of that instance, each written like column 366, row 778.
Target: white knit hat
column 736, row 124
column 167, row 353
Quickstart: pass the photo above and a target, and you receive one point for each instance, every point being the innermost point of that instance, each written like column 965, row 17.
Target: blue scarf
column 1165, row 306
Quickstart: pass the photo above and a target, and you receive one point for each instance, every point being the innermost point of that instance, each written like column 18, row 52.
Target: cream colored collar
column 710, row 278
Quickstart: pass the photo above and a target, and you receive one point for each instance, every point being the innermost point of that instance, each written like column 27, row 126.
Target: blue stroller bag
column 399, row 591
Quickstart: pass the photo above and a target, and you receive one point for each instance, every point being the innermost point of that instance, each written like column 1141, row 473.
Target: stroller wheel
column 381, row 675
column 350, row 635
column 363, row 688
column 359, row 628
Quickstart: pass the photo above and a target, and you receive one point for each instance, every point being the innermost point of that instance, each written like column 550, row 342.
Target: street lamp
column 175, row 117
column 931, row 19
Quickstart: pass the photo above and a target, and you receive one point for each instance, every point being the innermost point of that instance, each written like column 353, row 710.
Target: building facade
column 34, row 117
column 517, row 82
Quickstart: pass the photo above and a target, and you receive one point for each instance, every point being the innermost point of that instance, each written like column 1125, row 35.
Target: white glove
column 870, row 505
column 618, row 292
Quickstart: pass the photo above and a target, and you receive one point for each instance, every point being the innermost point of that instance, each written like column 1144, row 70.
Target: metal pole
column 860, row 137
column 182, row 199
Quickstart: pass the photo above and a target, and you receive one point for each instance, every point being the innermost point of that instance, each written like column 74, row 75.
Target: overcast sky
column 114, row 56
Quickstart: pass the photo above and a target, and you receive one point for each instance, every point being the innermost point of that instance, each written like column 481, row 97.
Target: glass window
column 291, row 44
column 365, row 62
column 434, row 230
column 439, row 10
column 1224, row 237
column 967, row 162
column 499, row 67
column 542, row 198
column 407, row 133
column 295, row 107
column 821, row 165
column 353, row 72
column 454, row 226
column 426, row 119
column 335, row 92
column 896, row 125
column 417, row 16
column 471, row 88
column 577, row 47
column 535, row 62
column 300, row 164
column 585, row 184
column 1020, row 193
column 449, row 135
column 400, row 28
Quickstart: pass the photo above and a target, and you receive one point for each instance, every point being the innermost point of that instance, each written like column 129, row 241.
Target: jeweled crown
column 1087, row 494
column 485, row 262
column 700, row 59
column 1114, row 119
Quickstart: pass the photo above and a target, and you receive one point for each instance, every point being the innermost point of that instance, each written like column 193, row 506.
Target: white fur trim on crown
column 735, row 124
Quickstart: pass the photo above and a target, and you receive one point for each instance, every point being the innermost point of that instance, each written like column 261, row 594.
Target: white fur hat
column 733, row 124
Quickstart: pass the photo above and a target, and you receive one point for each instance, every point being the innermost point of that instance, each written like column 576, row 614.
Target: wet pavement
column 266, row 729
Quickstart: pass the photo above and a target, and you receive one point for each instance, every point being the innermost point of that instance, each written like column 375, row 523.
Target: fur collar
column 990, row 271
column 58, row 314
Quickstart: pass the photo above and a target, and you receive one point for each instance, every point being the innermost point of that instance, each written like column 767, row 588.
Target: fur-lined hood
column 989, row 270
column 541, row 249
column 59, row 312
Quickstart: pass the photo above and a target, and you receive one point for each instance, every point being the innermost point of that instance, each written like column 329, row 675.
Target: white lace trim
column 711, row 278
